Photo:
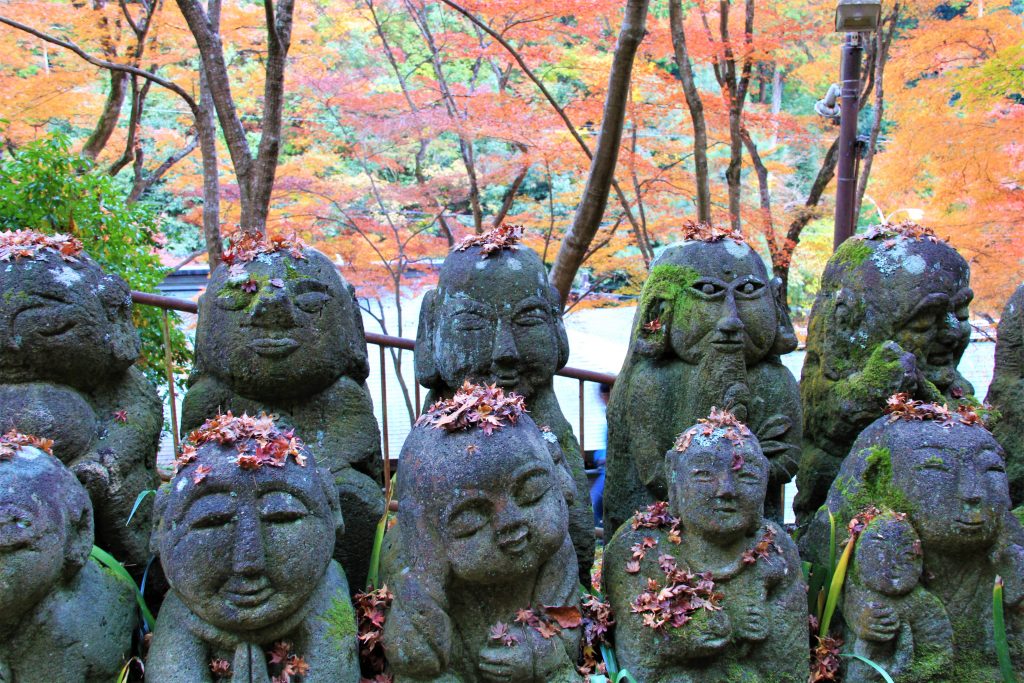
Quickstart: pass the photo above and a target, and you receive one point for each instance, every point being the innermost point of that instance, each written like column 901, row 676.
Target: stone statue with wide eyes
column 890, row 316
column 67, row 354
column 485, row 578
column 921, row 591
column 1006, row 392
column 494, row 319
column 704, row 588
column 62, row 617
column 279, row 331
column 245, row 532
column 708, row 332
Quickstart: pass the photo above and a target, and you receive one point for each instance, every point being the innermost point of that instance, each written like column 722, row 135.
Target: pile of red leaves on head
column 825, row 660
column 475, row 405
column 907, row 229
column 502, row 237
column 734, row 430
column 902, row 407
column 246, row 245
column 551, row 622
column 763, row 549
column 683, row 595
column 371, row 613
column 704, row 232
column 860, row 521
column 657, row 516
column 16, row 244
column 13, row 441
column 597, row 621
column 258, row 442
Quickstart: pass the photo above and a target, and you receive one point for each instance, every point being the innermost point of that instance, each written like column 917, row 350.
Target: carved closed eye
column 532, row 487
column 311, row 302
column 531, row 318
column 470, row 322
column 233, row 299
column 468, row 519
column 701, row 475
column 214, row 519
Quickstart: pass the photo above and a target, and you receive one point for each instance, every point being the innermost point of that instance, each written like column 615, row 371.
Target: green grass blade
column 610, row 663
column 373, row 576
column 836, row 588
column 108, row 561
column 138, row 501
column 624, row 676
column 999, row 633
column 831, row 545
column 874, row 665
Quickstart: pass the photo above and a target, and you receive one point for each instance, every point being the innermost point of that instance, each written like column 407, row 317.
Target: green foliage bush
column 45, row 186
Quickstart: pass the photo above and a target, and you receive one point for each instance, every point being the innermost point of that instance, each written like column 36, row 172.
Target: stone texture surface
column 716, row 492
column 62, row 617
column 294, row 347
column 482, row 533
column 248, row 555
column 890, row 316
column 67, row 348
column 708, row 332
column 950, row 482
column 1006, row 393
column 496, row 320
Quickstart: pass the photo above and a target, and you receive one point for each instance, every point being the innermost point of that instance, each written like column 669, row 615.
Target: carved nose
column 505, row 351
column 726, row 487
column 248, row 556
column 273, row 309
column 730, row 324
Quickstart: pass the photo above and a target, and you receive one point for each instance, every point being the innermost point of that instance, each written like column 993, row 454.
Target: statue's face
column 729, row 308
column 502, row 511
column 889, row 558
column 955, row 480
column 715, row 496
column 65, row 322
column 33, row 538
column 246, row 549
column 281, row 328
column 495, row 323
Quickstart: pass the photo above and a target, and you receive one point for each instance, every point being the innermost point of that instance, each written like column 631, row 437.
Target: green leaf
column 138, row 501
column 378, row 540
column 118, row 570
column 624, row 676
column 999, row 633
column 874, row 665
column 836, row 588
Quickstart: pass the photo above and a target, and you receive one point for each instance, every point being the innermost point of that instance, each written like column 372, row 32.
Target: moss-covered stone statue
column 708, row 332
column 246, row 531
column 279, row 331
column 62, row 617
column 67, row 349
column 928, row 487
column 890, row 316
column 1006, row 392
column 704, row 588
column 486, row 585
column 494, row 319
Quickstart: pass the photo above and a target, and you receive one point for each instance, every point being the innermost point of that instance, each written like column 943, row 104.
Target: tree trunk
column 109, row 118
column 206, row 128
column 602, row 167
column 696, row 107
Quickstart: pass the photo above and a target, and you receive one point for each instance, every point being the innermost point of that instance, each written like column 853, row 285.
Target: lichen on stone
column 719, row 424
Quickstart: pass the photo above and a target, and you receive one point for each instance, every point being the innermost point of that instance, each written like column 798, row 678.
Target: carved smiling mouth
column 506, row 379
column 249, row 594
column 516, row 542
column 274, row 347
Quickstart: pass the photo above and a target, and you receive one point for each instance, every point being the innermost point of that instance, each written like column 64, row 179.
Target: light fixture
column 856, row 16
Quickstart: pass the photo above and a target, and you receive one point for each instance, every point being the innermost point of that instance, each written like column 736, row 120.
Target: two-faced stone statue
column 246, row 531
column 67, row 349
column 494, row 319
column 890, row 316
column 279, row 331
column 485, row 581
column 62, row 617
column 705, row 589
column 709, row 331
column 921, row 589
column 1006, row 392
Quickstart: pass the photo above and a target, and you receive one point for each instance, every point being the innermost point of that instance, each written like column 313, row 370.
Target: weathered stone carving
column 494, row 319
column 708, row 332
column 67, row 348
column 891, row 316
column 62, row 617
column 737, row 605
column 1006, row 392
column 279, row 332
column 246, row 531
column 485, row 578
column 920, row 596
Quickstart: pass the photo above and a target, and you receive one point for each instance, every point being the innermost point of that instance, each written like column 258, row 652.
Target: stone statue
column 485, row 584
column 494, row 319
column 279, row 331
column 246, row 531
column 67, row 349
column 705, row 589
column 1006, row 392
column 890, row 316
column 939, row 531
column 62, row 617
column 709, row 331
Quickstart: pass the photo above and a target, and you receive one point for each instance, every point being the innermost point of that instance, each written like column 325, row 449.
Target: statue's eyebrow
column 275, row 485
column 309, row 284
column 460, row 304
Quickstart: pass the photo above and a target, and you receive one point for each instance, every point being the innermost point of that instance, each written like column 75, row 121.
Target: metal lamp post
column 855, row 18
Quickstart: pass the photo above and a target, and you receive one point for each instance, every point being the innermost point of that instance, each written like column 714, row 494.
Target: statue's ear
column 159, row 510
column 653, row 325
column 333, row 502
column 785, row 335
column 359, row 368
column 670, row 484
column 427, row 373
column 80, row 533
column 560, row 336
